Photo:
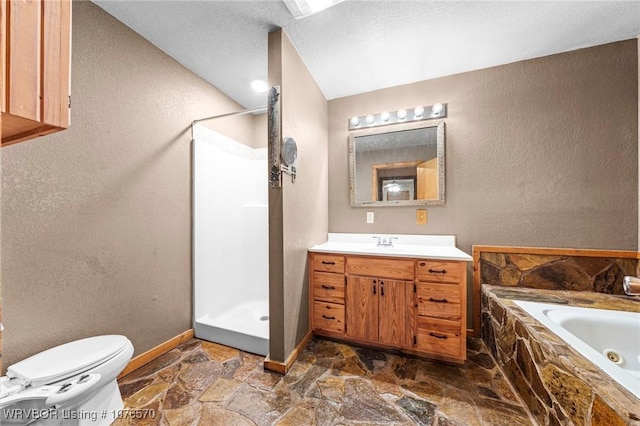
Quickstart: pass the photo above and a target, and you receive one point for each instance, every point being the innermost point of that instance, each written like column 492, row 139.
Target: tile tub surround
column 558, row 385
column 601, row 271
column 558, row 270
column 202, row 383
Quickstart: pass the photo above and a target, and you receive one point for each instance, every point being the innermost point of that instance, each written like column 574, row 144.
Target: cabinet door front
column 362, row 308
column 392, row 312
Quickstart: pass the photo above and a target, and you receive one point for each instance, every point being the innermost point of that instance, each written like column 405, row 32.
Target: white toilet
column 71, row 384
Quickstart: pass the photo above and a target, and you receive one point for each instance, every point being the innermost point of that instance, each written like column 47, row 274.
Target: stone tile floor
column 203, row 383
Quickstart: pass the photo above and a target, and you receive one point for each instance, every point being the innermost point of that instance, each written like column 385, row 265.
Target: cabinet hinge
column 69, row 101
column 415, row 340
column 415, row 288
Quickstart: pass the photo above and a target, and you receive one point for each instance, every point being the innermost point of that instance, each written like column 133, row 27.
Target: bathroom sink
column 383, row 249
column 406, row 246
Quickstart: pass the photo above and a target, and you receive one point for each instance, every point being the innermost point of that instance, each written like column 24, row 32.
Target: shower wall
column 230, row 224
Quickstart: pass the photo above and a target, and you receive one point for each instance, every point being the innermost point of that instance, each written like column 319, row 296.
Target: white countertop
column 439, row 247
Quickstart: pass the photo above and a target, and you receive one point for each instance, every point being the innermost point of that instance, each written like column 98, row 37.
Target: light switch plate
column 421, row 216
column 370, row 217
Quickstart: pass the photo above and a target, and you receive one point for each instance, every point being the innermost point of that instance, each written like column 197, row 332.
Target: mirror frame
column 440, row 147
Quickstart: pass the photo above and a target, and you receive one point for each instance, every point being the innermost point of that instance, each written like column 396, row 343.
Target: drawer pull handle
column 332, row 318
column 374, row 286
column 435, row 271
column 324, row 262
column 381, row 288
column 431, row 299
column 328, row 287
column 437, row 336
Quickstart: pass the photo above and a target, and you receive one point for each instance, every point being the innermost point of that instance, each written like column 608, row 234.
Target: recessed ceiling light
column 302, row 8
column 259, row 86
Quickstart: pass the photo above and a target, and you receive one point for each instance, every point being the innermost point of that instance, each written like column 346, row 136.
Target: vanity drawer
column 328, row 317
column 381, row 268
column 328, row 287
column 439, row 300
column 439, row 337
column 328, row 263
column 440, row 271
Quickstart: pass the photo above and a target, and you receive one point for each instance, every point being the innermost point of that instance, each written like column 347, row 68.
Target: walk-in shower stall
column 230, row 242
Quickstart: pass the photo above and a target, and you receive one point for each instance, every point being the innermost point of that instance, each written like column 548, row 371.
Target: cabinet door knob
column 422, row 264
column 431, row 299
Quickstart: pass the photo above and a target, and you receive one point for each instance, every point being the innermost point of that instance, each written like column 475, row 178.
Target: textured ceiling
column 360, row 46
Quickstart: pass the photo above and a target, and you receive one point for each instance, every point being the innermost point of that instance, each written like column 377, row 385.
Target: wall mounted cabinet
column 35, row 41
column 415, row 305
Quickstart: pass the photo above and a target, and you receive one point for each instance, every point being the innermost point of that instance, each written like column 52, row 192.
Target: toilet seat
column 67, row 360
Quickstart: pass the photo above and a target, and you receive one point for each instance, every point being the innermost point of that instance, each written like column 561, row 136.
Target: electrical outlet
column 370, row 217
column 421, row 216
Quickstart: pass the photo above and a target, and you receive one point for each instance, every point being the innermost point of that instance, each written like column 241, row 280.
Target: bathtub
column 609, row 339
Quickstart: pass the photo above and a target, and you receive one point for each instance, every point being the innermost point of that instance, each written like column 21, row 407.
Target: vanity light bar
column 401, row 116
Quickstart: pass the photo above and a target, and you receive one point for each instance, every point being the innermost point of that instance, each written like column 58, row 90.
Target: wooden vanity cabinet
column 35, row 39
column 415, row 305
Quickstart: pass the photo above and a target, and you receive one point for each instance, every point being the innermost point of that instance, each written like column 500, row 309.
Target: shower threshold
column 244, row 327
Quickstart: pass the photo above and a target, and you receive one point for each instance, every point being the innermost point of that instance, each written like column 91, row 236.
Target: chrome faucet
column 631, row 286
column 384, row 242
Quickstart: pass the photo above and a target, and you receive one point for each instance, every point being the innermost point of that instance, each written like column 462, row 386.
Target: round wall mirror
column 289, row 151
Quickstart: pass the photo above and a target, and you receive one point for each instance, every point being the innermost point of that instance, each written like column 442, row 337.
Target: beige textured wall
column 538, row 153
column 259, row 124
column 96, row 219
column 299, row 209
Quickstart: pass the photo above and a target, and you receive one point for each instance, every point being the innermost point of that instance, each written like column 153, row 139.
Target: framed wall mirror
column 399, row 165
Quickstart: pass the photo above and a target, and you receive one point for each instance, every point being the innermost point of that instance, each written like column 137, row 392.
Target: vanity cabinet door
column 376, row 310
column 392, row 308
column 362, row 308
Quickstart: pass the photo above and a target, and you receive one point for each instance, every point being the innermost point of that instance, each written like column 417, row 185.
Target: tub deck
column 554, row 380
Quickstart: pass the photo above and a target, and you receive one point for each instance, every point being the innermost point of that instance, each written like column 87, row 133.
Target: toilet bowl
column 72, row 384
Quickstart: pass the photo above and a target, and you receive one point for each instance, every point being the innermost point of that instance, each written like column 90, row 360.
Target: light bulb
column 437, row 109
column 402, row 114
column 259, row 86
column 355, row 121
column 384, row 116
column 418, row 111
column 318, row 5
column 370, row 119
